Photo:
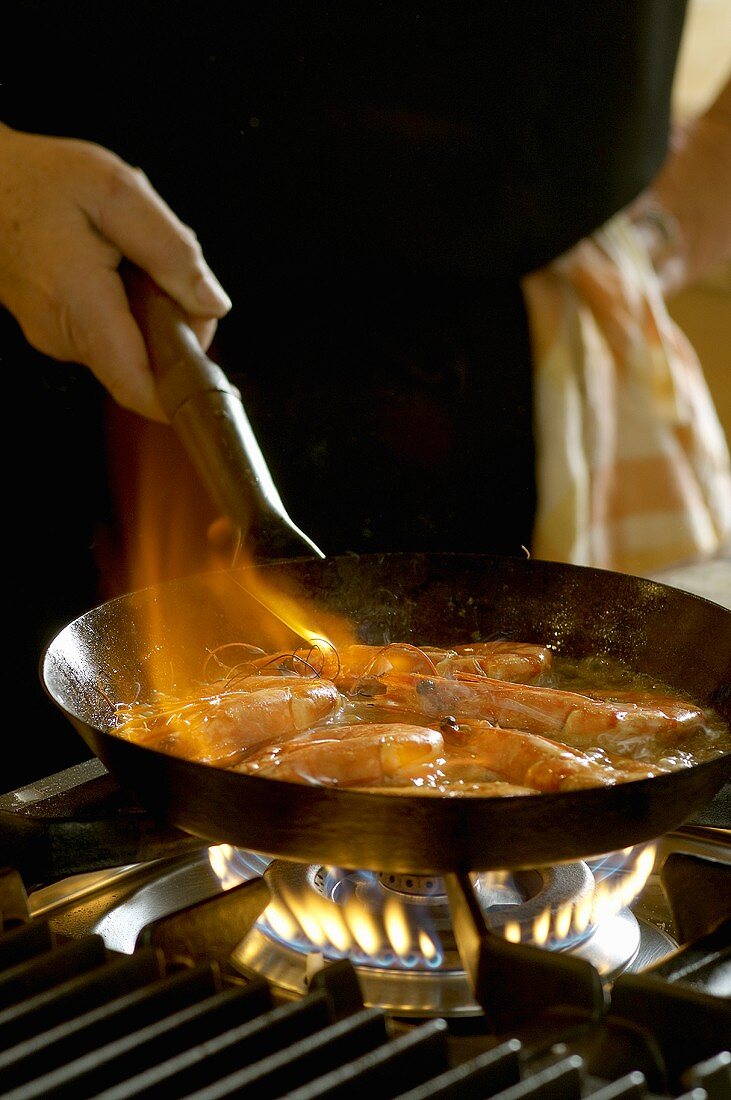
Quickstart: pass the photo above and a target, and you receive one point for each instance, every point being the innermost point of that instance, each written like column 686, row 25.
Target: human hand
column 70, row 212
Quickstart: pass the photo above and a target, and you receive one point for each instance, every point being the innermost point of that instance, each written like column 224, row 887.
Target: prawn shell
column 260, row 710
column 369, row 753
column 579, row 719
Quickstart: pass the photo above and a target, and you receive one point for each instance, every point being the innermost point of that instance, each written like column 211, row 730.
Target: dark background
column 369, row 182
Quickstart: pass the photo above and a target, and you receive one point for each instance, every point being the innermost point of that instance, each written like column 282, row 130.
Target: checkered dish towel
column 633, row 468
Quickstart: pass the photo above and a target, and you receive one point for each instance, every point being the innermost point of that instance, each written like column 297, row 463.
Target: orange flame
column 355, row 925
column 162, row 513
column 166, row 528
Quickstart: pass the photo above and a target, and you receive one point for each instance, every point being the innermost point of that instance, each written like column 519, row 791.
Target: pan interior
column 110, row 653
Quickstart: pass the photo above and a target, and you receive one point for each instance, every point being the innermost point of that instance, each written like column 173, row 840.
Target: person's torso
column 470, row 138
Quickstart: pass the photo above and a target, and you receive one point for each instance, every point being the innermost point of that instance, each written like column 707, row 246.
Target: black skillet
column 107, row 656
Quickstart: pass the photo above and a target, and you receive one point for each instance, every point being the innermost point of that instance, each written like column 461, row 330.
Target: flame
column 562, row 921
column 628, row 872
column 542, row 927
column 364, row 930
column 165, row 528
column 349, row 927
column 512, row 932
column 162, row 513
column 220, row 857
column 397, row 928
column 581, row 915
column 374, row 932
column 320, row 629
column 281, row 920
column 428, row 947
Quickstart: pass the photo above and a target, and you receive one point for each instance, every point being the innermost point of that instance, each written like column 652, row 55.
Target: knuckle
column 191, row 235
column 183, row 252
column 122, row 178
column 188, row 244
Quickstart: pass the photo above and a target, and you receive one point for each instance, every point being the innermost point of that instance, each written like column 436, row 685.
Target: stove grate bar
column 414, row 1057
column 203, row 1051
column 115, row 1017
column 102, row 1068
column 486, row 1074
column 482, row 1076
column 687, row 1024
column 630, row 1087
column 699, row 893
column 344, row 1042
column 46, row 970
column 25, row 942
column 713, row 1076
column 562, row 1081
column 50, row 1008
column 220, row 1055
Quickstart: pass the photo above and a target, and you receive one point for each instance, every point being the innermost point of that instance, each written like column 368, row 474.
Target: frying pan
column 109, row 655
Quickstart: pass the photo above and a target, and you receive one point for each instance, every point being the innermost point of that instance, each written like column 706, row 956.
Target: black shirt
column 465, row 138
column 369, row 181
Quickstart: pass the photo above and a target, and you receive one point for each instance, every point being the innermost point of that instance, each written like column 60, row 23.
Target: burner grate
column 78, row 1019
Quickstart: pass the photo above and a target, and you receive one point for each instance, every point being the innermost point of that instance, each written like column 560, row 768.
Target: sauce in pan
column 488, row 719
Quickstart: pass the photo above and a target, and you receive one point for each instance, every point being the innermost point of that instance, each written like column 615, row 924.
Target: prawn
column 503, row 660
column 221, row 727
column 538, row 762
column 351, row 660
column 347, row 756
column 581, row 720
column 519, row 662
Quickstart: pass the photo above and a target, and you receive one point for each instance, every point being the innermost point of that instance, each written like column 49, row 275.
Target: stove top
column 204, row 971
column 134, row 981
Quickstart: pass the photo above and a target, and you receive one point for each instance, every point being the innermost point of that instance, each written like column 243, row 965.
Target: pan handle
column 208, row 415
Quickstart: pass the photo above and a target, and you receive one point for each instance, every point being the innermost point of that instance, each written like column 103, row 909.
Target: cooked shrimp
column 459, row 772
column 537, row 762
column 220, row 728
column 503, row 660
column 477, row 720
column 348, row 756
column 581, row 720
column 350, row 660
column 519, row 662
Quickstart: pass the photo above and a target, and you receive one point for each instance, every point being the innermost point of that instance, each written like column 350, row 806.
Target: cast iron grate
column 77, row 1019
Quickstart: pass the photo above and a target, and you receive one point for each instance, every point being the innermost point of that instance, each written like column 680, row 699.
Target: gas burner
column 396, row 929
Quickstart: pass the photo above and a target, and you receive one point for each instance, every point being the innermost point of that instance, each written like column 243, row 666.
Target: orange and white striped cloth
column 633, row 467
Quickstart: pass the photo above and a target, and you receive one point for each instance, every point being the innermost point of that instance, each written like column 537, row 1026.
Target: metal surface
column 80, row 820
column 120, row 903
column 682, row 640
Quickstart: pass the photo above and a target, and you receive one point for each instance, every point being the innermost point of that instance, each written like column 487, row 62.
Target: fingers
column 70, row 211
column 204, row 330
column 130, row 213
column 103, row 334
